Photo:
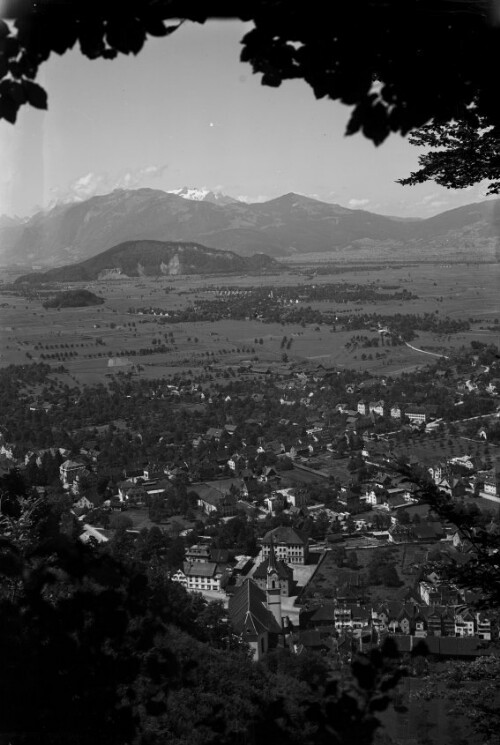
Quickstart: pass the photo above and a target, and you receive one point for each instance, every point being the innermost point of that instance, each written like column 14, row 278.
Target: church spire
column 271, row 567
column 273, row 587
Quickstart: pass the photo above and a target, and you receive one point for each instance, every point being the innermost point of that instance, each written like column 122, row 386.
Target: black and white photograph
column 249, row 372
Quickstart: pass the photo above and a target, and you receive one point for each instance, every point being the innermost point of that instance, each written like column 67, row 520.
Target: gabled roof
column 201, row 569
column 325, row 613
column 248, row 613
column 285, row 534
column 71, row 464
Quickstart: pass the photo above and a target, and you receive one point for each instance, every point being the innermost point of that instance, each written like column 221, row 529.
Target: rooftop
column 248, row 613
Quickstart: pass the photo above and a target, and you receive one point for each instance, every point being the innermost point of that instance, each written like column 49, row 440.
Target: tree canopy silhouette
column 399, row 65
column 99, row 646
column 462, row 153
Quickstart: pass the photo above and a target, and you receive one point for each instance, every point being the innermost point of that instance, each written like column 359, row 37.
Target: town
column 283, row 493
column 249, row 374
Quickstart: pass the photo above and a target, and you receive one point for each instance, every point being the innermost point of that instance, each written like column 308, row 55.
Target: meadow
column 27, row 330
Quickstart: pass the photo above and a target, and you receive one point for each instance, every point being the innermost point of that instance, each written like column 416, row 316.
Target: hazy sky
column 187, row 112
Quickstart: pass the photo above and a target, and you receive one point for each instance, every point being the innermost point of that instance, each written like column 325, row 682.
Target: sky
column 186, row 112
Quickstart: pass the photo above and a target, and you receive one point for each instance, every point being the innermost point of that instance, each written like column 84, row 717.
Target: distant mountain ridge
column 153, row 258
column 290, row 224
column 203, row 195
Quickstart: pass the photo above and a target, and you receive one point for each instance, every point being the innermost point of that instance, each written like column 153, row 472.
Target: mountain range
column 291, row 224
column 152, row 259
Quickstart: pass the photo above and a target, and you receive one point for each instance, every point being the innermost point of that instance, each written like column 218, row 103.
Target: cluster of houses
column 206, row 568
column 256, row 590
column 415, row 414
column 460, row 475
column 408, row 618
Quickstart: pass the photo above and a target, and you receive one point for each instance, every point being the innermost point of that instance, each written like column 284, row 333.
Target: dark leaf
column 8, row 109
column 35, row 95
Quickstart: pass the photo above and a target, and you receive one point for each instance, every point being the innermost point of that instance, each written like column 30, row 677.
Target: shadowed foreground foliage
column 430, row 58
column 97, row 649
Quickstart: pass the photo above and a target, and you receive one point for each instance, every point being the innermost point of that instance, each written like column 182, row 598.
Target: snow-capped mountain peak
column 202, row 195
column 198, row 195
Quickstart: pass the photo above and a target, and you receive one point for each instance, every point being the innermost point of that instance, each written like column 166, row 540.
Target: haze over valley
column 289, row 226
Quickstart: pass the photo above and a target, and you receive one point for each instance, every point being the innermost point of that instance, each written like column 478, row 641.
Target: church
column 255, row 613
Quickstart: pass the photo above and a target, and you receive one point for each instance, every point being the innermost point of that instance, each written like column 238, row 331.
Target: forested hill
column 153, row 258
column 73, row 299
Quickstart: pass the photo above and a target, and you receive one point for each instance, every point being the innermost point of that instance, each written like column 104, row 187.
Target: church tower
column 273, row 588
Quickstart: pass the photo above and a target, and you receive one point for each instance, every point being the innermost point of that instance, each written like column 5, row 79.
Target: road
column 433, row 354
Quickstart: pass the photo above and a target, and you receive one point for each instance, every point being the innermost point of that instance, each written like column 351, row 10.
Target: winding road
column 433, row 354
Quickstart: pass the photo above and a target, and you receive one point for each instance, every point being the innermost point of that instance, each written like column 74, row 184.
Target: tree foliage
column 462, row 153
column 481, row 573
column 398, row 65
column 471, row 689
column 96, row 648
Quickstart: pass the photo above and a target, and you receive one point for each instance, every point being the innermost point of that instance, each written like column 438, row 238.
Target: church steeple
column 272, row 559
column 273, row 588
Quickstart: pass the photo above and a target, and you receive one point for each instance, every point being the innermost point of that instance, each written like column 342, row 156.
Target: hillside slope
column 153, row 258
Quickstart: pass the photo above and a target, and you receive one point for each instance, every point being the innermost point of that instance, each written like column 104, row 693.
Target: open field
column 429, row 449
column 83, row 339
column 329, row 577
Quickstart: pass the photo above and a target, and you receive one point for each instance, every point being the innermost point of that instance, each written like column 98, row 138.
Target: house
column 297, row 498
column 416, row 415
column 376, row 407
column 289, row 544
column 83, row 503
column 214, row 433
column 203, row 575
column 483, row 626
column 438, row 594
column 69, row 470
column 490, row 488
column 275, row 447
column 395, row 412
column 198, row 552
column 464, row 623
column 269, row 473
column 253, row 615
column 362, row 407
column 347, row 615
column 420, row 622
column 236, row 462
column 91, row 534
column 153, row 471
column 220, row 495
column 438, row 472
column 214, row 501
column 371, row 497
column 132, row 491
column 300, row 448
column 179, row 577
column 276, row 501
